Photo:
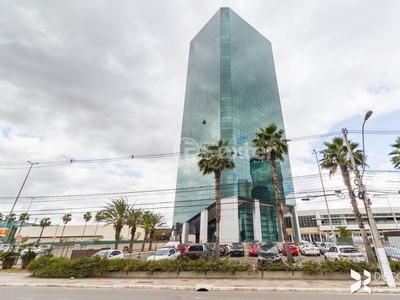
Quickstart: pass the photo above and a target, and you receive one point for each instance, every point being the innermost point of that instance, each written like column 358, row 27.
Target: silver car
column 344, row 252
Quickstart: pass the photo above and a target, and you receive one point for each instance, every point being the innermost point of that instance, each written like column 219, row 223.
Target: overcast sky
column 100, row 81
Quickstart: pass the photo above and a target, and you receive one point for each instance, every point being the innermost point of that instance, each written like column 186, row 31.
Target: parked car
column 182, row 247
column 46, row 247
column 212, row 246
column 228, row 248
column 237, row 249
column 223, row 250
column 310, row 249
column 32, row 249
column 293, row 249
column 165, row 253
column 171, row 245
column 254, row 249
column 392, row 253
column 110, row 254
column 325, row 246
column 344, row 252
column 255, row 242
column 4, row 247
column 268, row 254
column 199, row 251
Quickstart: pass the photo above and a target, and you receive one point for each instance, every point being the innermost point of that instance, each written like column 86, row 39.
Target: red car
column 254, row 249
column 182, row 247
column 293, row 249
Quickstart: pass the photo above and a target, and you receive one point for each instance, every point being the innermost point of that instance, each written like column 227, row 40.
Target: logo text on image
column 356, row 286
column 187, row 149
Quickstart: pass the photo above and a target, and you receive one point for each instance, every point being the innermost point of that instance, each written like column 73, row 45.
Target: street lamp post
column 19, row 193
column 379, row 250
column 326, row 200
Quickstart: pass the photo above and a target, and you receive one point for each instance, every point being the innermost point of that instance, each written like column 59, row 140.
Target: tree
column 271, row 147
column 86, row 216
column 115, row 213
column 395, row 159
column 45, row 222
column 1, row 217
column 11, row 218
column 178, row 230
column 24, row 217
column 336, row 156
column 146, row 225
column 344, row 233
column 65, row 219
column 133, row 220
column 156, row 220
column 214, row 159
column 98, row 218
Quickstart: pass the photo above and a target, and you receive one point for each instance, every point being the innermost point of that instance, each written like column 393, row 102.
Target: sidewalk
column 14, row 279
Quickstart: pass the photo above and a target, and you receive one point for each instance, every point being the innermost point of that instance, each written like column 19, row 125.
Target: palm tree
column 86, row 216
column 98, row 218
column 272, row 146
column 133, row 220
column 214, row 159
column 156, row 220
column 146, row 225
column 11, row 218
column 396, row 154
column 115, row 214
column 45, row 222
column 23, row 218
column 66, row 218
column 336, row 156
column 1, row 217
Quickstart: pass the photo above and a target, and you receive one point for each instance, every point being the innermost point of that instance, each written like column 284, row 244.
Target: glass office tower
column 231, row 92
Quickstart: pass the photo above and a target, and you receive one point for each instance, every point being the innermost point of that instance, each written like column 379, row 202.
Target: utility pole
column 362, row 194
column 326, row 200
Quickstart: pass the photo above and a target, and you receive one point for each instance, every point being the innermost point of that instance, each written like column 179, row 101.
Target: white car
column 165, row 253
column 110, row 254
column 344, row 252
column 32, row 249
column 325, row 246
column 310, row 249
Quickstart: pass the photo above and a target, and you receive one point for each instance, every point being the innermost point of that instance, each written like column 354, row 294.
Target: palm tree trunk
column 280, row 210
column 133, row 232
column 217, row 211
column 95, row 231
column 144, row 239
column 117, row 236
column 151, row 239
column 84, row 228
column 357, row 214
column 40, row 236
column 62, row 233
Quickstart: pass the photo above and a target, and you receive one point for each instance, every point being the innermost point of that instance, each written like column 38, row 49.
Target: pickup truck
column 199, row 251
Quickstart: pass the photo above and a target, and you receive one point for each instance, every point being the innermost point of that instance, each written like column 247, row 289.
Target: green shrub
column 83, row 267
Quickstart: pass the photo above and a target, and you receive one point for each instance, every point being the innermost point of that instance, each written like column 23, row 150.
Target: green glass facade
column 231, row 92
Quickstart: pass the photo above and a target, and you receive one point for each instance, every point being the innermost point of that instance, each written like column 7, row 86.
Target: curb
column 204, row 288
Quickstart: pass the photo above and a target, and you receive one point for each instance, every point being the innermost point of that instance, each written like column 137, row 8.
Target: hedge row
column 90, row 266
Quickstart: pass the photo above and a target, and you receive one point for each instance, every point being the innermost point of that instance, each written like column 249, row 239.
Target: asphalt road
column 36, row 293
